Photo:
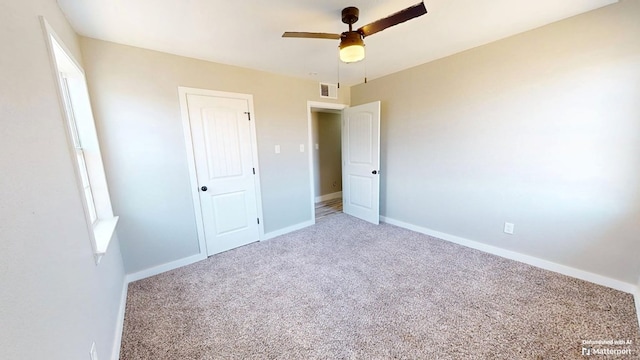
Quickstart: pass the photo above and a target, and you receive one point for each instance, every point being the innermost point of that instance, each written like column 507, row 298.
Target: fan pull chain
column 338, row 63
column 365, row 69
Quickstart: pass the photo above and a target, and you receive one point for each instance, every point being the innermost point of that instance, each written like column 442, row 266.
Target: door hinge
column 248, row 114
column 254, row 171
column 258, row 221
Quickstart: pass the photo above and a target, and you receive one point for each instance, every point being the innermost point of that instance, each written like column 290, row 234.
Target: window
column 79, row 151
column 83, row 144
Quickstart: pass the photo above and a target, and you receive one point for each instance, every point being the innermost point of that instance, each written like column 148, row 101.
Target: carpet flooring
column 345, row 289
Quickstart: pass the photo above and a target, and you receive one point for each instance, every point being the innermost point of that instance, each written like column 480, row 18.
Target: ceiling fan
column 352, row 41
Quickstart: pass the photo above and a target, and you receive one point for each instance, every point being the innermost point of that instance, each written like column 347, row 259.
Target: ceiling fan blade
column 394, row 19
column 310, row 35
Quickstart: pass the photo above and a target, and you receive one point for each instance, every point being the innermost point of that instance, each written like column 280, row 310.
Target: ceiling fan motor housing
column 350, row 15
column 350, row 38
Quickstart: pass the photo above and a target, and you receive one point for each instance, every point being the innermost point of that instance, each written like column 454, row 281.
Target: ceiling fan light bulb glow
column 353, row 53
column 351, row 47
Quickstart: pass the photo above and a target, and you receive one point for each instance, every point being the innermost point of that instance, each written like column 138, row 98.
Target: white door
column 222, row 135
column 361, row 161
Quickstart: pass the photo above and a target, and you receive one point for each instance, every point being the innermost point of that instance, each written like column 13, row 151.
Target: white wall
column 541, row 129
column 135, row 94
column 54, row 300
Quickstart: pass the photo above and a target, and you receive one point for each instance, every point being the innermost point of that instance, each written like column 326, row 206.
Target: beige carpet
column 345, row 289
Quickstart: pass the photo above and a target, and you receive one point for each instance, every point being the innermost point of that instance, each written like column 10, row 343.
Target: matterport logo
column 589, row 350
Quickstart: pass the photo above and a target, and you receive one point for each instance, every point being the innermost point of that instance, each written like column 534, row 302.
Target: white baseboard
column 164, row 267
column 117, row 342
column 328, row 197
column 199, row 257
column 527, row 259
column 289, row 229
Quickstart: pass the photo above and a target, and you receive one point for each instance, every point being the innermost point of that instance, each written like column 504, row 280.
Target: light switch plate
column 508, row 228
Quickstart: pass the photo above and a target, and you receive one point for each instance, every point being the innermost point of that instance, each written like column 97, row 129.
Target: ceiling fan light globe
column 352, row 53
column 351, row 47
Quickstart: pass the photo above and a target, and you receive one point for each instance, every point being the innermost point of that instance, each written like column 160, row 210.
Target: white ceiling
column 248, row 33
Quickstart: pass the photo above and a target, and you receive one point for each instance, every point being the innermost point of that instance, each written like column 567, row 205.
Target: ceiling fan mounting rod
column 350, row 16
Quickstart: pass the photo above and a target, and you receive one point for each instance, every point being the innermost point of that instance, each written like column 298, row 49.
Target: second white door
column 361, row 161
column 222, row 134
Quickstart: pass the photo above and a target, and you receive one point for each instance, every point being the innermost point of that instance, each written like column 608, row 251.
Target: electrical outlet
column 301, row 147
column 508, row 228
column 277, row 149
column 93, row 352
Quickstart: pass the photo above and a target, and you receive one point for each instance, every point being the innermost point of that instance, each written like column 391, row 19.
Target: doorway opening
column 360, row 160
column 325, row 158
column 326, row 130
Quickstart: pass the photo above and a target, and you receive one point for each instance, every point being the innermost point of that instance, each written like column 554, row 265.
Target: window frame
column 75, row 105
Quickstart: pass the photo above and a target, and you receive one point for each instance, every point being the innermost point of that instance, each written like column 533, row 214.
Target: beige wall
column 54, row 300
column 541, row 129
column 328, row 157
column 135, row 95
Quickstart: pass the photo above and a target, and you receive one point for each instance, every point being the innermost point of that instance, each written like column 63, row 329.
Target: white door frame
column 186, row 127
column 324, row 106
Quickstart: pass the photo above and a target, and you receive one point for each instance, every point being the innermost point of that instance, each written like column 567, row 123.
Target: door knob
column 374, row 172
column 204, row 188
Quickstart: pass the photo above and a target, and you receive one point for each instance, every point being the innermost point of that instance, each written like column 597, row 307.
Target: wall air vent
column 328, row 91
